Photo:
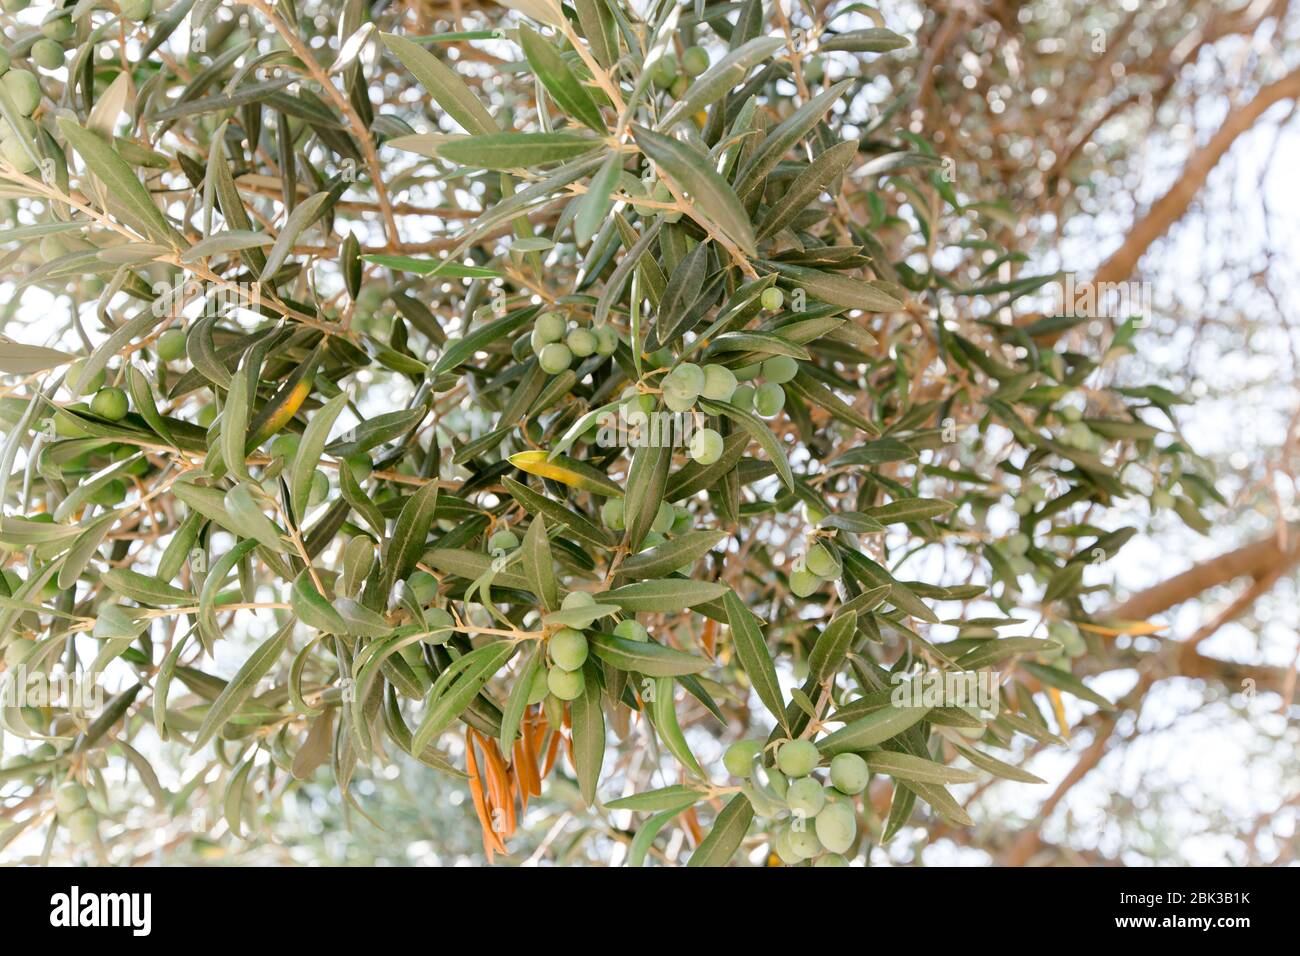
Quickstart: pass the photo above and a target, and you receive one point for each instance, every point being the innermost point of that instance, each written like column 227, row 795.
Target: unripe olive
column 581, row 342
column 837, row 826
column 680, row 86
column 797, row 758
column 831, row 859
column 679, row 401
column 424, row 586
column 780, row 368
column 719, row 383
column 1022, row 506
column 171, row 345
column 137, row 10
column 687, row 377
column 69, row 798
column 16, row 155
column 806, row 797
column 1161, row 499
column 566, row 685
column 568, row 648
column 683, row 520
column 739, row 758
column 804, row 841
column 51, row 248
column 849, row 773
column 110, row 403
column 782, row 847
column 803, row 582
column 57, row 25
column 822, row 563
column 577, row 599
column 1018, row 543
column 83, row 826
column 663, row 518
column 503, row 540
column 631, row 630
column 769, row 399
column 285, row 445
column 554, row 358
column 772, row 298
column 24, row 89
column 550, row 326
column 606, row 340
column 743, row 397
column 47, row 54
column 695, row 60
column 706, row 446
column 611, row 513
column 747, row 372
column 665, row 71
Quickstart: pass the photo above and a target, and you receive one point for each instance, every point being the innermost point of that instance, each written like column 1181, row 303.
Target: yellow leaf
column 567, row 471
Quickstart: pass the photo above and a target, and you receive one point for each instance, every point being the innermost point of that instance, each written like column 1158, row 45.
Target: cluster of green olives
column 556, row 346
column 566, row 651
column 822, row 822
column 24, row 91
column 819, row 564
column 675, row 77
column 72, row 805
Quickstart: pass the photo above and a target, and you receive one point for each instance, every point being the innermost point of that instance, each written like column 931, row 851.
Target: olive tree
column 565, row 399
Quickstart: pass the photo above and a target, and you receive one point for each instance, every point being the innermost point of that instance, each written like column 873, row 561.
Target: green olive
column 575, row 599
column 83, row 826
column 550, row 327
column 719, row 383
column 769, row 399
column 806, row 797
column 611, row 513
column 24, row 89
column 822, row 562
column 695, row 60
column 47, row 54
column 797, row 758
column 110, row 403
column 171, row 345
column 804, row 841
column 803, row 582
column 568, row 648
column 849, row 773
column 69, row 798
column 631, row 630
column 837, row 826
column 566, row 685
column 581, row 342
column 772, row 299
column 706, row 446
column 503, row 540
column 554, row 358
column 780, row 368
column 739, row 758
